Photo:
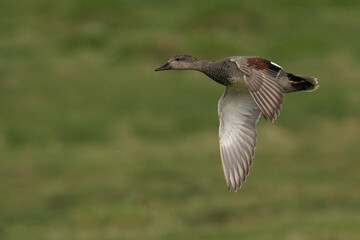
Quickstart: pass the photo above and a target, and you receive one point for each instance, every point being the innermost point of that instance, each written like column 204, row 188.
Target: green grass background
column 95, row 145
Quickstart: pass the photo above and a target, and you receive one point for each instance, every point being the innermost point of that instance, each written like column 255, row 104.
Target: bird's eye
column 177, row 59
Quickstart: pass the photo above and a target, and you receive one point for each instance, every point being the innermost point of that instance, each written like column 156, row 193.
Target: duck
column 254, row 86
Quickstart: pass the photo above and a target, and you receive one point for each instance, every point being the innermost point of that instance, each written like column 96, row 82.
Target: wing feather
column 260, row 76
column 238, row 115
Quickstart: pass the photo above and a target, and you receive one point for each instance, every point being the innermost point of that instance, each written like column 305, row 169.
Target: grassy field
column 95, row 145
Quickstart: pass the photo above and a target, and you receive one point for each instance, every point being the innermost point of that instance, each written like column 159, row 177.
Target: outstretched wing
column 260, row 75
column 238, row 115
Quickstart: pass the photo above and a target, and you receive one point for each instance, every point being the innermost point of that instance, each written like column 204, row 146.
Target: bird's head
column 179, row 62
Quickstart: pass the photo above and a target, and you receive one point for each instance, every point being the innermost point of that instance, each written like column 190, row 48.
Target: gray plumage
column 254, row 86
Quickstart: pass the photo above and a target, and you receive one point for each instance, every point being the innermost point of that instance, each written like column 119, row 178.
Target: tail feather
column 303, row 83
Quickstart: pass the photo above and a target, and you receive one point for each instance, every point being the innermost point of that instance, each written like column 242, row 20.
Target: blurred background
column 95, row 145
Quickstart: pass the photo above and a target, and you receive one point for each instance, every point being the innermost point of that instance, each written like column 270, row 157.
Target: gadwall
column 254, row 86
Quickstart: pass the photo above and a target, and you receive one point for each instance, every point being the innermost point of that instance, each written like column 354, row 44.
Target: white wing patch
column 276, row 65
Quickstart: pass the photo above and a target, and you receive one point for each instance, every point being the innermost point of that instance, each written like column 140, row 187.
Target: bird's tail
column 303, row 83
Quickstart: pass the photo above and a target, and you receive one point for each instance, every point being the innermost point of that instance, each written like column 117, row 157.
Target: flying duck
column 254, row 86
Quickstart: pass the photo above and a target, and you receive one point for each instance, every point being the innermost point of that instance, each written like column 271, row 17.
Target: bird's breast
column 238, row 84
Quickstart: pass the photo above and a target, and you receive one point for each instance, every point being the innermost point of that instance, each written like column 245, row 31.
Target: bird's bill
column 165, row 67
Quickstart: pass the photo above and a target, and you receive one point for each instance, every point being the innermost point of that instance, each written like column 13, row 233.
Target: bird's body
column 254, row 86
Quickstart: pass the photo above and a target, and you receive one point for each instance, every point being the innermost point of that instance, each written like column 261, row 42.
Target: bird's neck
column 213, row 70
column 199, row 65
